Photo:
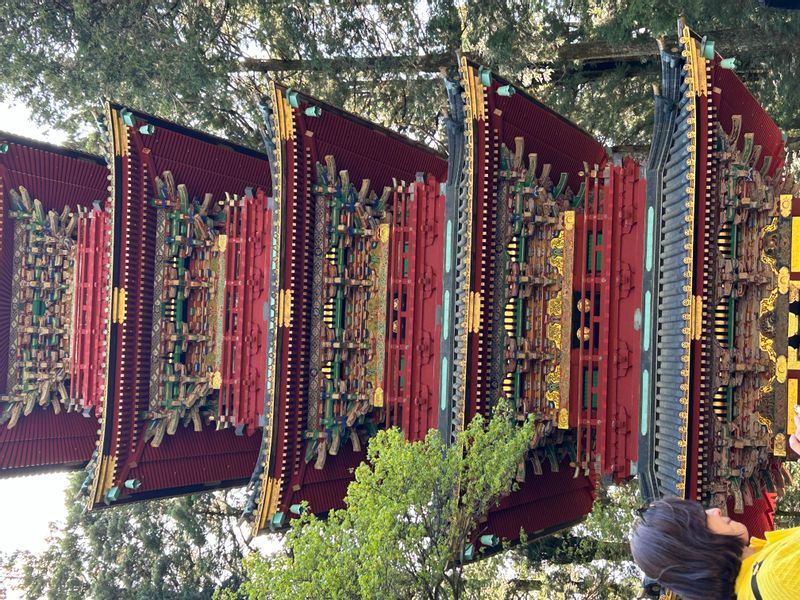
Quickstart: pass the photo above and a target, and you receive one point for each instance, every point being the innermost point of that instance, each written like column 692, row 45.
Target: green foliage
column 413, row 507
column 410, row 512
column 592, row 559
column 603, row 534
column 203, row 62
column 62, row 58
column 181, row 549
column 787, row 507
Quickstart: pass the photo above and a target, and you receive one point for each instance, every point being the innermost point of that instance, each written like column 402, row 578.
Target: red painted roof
column 543, row 502
column 325, row 489
column 192, row 460
column 736, row 99
column 366, row 150
column 759, row 517
column 555, row 139
column 205, row 164
column 58, row 177
column 44, row 441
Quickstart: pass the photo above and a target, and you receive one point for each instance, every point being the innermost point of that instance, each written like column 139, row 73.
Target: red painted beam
column 416, row 239
column 91, row 310
column 244, row 349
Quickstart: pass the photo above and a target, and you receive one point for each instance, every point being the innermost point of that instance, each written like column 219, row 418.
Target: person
column 703, row 554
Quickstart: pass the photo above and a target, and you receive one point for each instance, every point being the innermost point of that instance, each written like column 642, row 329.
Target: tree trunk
column 644, row 49
column 736, row 42
column 427, row 63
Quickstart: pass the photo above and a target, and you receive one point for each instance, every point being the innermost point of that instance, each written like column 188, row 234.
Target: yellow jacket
column 779, row 574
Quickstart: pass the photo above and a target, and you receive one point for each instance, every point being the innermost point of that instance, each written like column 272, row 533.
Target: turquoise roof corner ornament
column 707, row 49
column 506, row 90
column 127, row 117
column 485, row 75
column 293, row 98
column 112, row 495
column 468, row 553
column 278, row 521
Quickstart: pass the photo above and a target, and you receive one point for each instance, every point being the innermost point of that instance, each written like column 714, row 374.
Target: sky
column 29, row 503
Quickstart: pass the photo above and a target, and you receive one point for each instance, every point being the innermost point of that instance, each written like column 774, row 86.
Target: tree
column 604, row 54
column 184, row 548
column 787, row 507
column 203, row 62
column 604, row 534
column 591, row 560
column 410, row 513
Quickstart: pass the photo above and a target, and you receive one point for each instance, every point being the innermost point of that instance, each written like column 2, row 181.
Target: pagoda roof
column 367, row 150
column 58, row 177
column 44, row 441
column 671, row 431
column 555, row 138
column 186, row 461
column 736, row 99
column 543, row 502
column 303, row 131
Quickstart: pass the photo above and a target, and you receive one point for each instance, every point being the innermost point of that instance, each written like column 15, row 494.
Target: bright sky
column 29, row 503
column 15, row 118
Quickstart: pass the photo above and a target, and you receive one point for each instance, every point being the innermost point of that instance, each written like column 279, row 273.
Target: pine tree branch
column 644, row 49
column 587, row 69
column 429, row 63
column 733, row 42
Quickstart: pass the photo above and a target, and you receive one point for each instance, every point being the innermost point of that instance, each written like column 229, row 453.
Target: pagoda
column 191, row 314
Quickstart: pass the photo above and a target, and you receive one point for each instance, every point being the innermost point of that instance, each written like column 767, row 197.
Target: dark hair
column 672, row 543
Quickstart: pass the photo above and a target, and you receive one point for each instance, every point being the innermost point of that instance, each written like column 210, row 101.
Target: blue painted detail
column 644, row 408
column 445, row 373
column 127, row 117
column 448, row 247
column 648, row 243
column 506, row 90
column 646, row 335
column 446, row 315
column 485, row 75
